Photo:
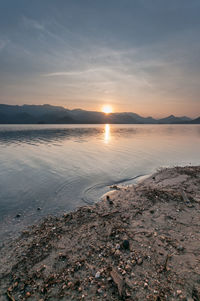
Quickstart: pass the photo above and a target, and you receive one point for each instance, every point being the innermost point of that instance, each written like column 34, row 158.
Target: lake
column 59, row 167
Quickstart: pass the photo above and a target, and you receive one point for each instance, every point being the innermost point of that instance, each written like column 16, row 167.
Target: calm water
column 59, row 167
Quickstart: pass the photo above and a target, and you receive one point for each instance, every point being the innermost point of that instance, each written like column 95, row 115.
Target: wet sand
column 139, row 243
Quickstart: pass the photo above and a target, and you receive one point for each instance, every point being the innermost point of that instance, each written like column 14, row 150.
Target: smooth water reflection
column 59, row 167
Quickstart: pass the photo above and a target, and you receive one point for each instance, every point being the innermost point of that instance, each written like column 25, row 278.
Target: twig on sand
column 10, row 297
column 184, row 196
column 118, row 280
column 165, row 268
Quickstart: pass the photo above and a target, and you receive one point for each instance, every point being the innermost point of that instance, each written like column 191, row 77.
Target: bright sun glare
column 107, row 109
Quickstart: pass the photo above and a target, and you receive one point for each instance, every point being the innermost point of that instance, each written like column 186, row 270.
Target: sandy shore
column 139, row 243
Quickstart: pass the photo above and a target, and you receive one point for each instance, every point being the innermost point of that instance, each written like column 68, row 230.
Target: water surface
column 61, row 167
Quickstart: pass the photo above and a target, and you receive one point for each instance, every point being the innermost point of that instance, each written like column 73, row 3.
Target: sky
column 135, row 55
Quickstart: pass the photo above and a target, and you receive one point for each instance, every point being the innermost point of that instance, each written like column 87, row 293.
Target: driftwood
column 165, row 267
column 184, row 196
column 10, row 297
column 118, row 280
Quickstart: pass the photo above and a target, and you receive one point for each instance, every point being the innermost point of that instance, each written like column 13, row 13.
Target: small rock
column 109, row 200
column 117, row 253
column 126, row 244
column 69, row 284
column 180, row 248
column 128, row 267
column 15, row 284
column 28, row 294
column 117, row 247
column 140, row 261
column 179, row 292
column 98, row 274
column 100, row 291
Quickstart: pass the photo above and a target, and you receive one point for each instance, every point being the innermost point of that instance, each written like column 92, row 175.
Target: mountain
column 47, row 114
column 196, row 121
column 172, row 119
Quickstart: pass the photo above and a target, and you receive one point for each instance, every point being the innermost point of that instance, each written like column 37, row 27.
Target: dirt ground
column 139, row 243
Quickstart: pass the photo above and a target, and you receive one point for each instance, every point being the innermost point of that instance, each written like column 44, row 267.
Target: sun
column 107, row 109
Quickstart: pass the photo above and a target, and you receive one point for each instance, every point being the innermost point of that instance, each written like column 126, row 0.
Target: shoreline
column 139, row 243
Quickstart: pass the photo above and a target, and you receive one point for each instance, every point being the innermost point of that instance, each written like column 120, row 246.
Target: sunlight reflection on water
column 107, row 133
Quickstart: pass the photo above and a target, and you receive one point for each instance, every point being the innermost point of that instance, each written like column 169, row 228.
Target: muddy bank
column 139, row 243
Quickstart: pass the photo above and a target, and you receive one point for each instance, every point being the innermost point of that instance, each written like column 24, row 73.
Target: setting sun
column 107, row 109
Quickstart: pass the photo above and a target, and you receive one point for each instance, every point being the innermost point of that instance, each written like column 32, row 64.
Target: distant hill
column 196, row 121
column 173, row 119
column 47, row 114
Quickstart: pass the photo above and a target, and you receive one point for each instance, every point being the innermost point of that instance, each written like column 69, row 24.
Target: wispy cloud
column 3, row 43
column 28, row 22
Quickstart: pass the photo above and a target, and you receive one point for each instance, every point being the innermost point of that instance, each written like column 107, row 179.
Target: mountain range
column 48, row 114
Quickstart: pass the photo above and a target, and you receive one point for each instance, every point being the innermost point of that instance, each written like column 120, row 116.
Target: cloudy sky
column 136, row 55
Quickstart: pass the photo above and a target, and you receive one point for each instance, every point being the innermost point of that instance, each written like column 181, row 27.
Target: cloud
column 3, row 43
column 32, row 23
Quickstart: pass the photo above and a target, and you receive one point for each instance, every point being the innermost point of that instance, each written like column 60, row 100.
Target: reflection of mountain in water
column 40, row 136
column 43, row 134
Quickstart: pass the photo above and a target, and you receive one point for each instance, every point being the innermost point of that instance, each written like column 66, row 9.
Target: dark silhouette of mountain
column 196, row 121
column 47, row 114
column 172, row 119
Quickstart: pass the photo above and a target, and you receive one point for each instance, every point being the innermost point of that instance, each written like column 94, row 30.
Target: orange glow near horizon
column 107, row 109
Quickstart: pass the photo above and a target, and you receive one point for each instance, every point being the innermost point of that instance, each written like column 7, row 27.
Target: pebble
column 98, row 274
column 180, row 248
column 128, row 267
column 126, row 244
column 117, row 246
column 117, row 253
column 140, row 261
column 28, row 294
column 69, row 284
column 100, row 291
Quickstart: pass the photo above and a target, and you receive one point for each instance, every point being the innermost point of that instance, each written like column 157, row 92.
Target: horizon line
column 117, row 112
